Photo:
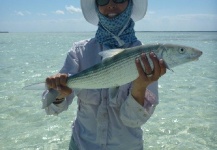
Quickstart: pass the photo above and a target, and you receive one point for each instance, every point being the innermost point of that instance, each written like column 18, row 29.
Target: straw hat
column 89, row 10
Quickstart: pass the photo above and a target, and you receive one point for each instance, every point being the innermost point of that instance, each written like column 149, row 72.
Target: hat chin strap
column 121, row 43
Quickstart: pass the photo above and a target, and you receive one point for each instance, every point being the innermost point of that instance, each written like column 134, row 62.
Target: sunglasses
column 105, row 2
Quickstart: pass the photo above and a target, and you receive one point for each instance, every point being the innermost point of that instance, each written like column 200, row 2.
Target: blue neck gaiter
column 118, row 31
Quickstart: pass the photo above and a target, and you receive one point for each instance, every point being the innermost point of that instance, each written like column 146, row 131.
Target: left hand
column 148, row 76
column 58, row 82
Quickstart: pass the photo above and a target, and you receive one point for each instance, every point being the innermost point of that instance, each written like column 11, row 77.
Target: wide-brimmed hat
column 89, row 10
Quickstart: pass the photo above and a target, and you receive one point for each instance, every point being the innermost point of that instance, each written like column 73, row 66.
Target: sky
column 66, row 16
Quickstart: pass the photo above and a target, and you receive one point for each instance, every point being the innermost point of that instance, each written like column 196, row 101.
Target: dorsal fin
column 110, row 53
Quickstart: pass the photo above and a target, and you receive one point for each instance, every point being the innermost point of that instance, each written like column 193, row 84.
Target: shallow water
column 185, row 118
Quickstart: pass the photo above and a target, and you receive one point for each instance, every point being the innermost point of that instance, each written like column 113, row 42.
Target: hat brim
column 89, row 10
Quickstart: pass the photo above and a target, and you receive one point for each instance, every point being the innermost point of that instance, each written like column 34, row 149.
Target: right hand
column 58, row 82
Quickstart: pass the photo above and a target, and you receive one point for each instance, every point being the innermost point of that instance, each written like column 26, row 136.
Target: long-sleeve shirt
column 109, row 119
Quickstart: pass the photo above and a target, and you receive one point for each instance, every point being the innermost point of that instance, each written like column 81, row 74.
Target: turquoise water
column 185, row 118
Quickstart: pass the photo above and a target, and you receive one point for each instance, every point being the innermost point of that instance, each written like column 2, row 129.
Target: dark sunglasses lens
column 102, row 2
column 119, row 1
column 105, row 2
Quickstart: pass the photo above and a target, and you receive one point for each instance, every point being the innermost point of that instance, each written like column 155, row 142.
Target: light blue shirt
column 109, row 119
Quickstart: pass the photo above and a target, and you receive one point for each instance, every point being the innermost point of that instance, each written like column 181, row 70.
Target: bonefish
column 118, row 65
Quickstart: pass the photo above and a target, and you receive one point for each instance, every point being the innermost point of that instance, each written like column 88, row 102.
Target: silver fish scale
column 113, row 75
column 121, row 71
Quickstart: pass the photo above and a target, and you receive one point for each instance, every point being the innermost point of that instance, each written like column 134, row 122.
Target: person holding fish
column 108, row 118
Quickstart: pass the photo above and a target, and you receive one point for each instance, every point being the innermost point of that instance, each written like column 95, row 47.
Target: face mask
column 117, row 31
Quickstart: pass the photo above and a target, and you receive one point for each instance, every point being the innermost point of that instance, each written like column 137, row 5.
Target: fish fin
column 168, row 67
column 110, row 53
column 35, row 86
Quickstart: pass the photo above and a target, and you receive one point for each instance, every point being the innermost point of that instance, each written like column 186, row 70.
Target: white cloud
column 181, row 22
column 42, row 14
column 190, row 17
column 59, row 12
column 22, row 13
column 73, row 9
column 151, row 12
column 27, row 12
column 19, row 13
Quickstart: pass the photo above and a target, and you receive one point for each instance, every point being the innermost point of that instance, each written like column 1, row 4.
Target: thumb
column 64, row 90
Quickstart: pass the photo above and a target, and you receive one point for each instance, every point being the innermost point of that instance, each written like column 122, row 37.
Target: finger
column 63, row 79
column 155, row 60
column 139, row 66
column 48, row 82
column 146, row 64
column 65, row 91
column 53, row 83
column 57, row 81
column 163, row 67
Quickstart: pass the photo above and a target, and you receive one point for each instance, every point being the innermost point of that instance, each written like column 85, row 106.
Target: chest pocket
column 87, row 96
column 118, row 95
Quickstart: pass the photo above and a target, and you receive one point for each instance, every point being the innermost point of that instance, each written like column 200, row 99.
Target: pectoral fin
column 168, row 66
column 110, row 53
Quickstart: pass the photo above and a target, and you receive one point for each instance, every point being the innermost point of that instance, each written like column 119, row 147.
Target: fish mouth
column 200, row 53
column 196, row 56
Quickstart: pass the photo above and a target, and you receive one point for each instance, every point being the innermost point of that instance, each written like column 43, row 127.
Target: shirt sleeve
column 55, row 109
column 70, row 67
column 133, row 114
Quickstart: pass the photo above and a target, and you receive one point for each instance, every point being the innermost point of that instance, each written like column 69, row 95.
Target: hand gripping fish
column 118, row 65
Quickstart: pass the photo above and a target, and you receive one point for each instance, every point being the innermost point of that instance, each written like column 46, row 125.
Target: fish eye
column 181, row 50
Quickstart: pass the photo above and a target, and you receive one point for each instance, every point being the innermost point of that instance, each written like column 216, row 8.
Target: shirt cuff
column 131, row 102
column 55, row 109
column 150, row 99
column 48, row 97
column 133, row 114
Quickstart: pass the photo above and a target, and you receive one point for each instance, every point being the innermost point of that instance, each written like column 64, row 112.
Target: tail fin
column 35, row 86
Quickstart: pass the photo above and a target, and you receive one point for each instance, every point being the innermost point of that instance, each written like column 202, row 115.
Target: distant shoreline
column 4, row 32
column 176, row 31
column 95, row 31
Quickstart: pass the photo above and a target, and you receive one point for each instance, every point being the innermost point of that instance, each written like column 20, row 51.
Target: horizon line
column 95, row 31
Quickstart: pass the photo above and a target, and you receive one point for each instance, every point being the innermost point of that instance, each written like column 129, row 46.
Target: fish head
column 175, row 55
